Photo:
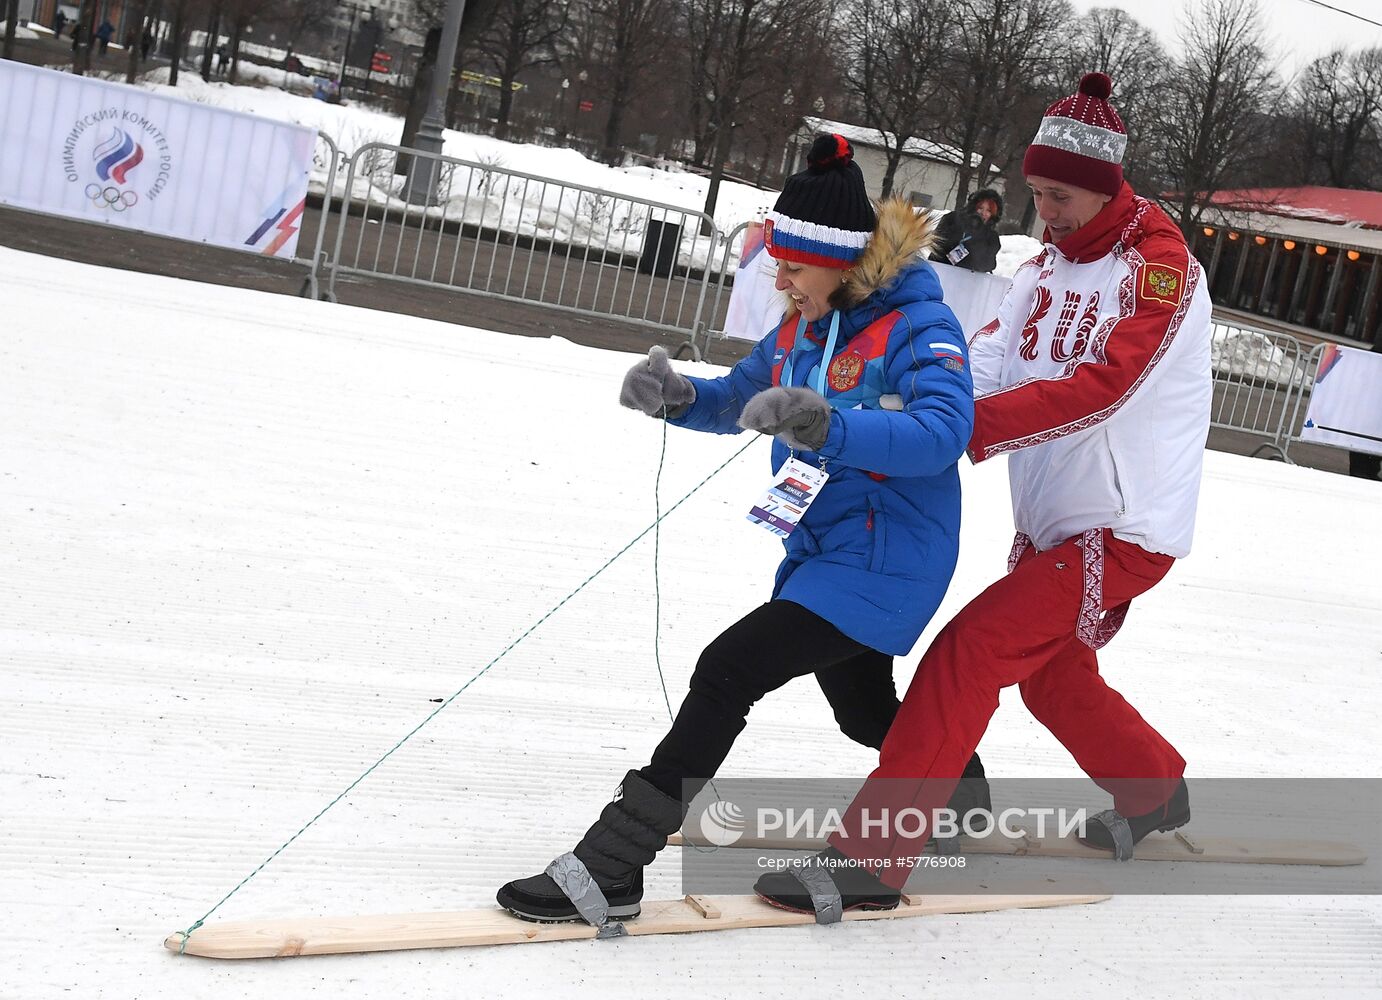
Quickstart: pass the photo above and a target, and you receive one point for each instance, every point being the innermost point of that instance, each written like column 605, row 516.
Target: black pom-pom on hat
column 1098, row 85
column 827, row 151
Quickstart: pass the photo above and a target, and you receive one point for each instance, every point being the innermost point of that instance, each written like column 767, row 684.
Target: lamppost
column 423, row 171
column 561, row 107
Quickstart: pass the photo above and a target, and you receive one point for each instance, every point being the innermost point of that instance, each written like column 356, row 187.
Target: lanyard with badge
column 781, row 508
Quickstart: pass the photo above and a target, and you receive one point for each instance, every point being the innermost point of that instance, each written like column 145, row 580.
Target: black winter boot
column 972, row 804
column 627, row 836
column 1111, row 831
column 858, row 888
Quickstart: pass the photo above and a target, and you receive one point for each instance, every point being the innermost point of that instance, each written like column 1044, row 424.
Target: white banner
column 1346, row 403
column 755, row 306
column 80, row 147
column 974, row 298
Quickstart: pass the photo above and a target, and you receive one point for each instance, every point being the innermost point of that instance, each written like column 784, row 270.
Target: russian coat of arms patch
column 845, row 372
column 1162, row 282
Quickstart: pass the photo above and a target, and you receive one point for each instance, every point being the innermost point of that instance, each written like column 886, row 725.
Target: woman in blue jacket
column 867, row 379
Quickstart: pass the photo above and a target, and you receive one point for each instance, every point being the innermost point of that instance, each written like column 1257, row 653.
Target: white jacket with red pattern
column 1095, row 377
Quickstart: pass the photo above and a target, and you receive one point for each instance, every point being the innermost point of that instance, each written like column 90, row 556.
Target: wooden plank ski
column 469, row 928
column 1177, row 846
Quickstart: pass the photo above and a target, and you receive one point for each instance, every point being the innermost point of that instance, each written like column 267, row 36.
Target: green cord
column 506, row 650
column 657, row 587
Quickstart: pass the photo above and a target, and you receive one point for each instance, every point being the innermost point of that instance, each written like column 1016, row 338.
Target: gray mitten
column 798, row 417
column 651, row 385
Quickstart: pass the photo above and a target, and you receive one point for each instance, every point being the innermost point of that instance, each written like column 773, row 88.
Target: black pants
column 757, row 654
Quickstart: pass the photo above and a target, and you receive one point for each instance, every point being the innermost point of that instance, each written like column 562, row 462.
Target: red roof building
column 1306, row 256
column 1355, row 209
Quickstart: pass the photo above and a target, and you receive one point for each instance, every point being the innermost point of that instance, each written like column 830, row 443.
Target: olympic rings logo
column 111, row 197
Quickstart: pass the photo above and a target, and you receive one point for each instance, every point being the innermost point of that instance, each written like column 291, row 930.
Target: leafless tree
column 1112, row 41
column 1205, row 130
column 783, row 93
column 629, row 36
column 895, row 69
column 1336, row 109
column 522, row 34
column 292, row 19
column 729, row 42
column 1003, row 52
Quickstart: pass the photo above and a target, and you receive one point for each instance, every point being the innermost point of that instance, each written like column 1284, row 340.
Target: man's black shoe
column 859, row 888
column 1111, row 831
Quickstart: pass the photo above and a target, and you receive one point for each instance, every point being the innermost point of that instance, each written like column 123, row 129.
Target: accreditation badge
column 784, row 504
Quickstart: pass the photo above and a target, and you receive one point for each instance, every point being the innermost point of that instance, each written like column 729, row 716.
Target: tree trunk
column 621, row 89
column 613, row 128
column 723, row 138
column 179, row 39
column 136, row 34
column 11, row 27
column 90, row 40
column 894, row 157
column 213, row 34
column 236, row 33
column 501, row 127
column 80, row 38
column 417, row 100
column 615, row 123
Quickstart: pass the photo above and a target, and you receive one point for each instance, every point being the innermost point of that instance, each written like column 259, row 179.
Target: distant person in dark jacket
column 103, row 35
column 59, row 22
column 968, row 237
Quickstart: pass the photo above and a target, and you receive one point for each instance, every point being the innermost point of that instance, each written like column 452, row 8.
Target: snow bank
column 1253, row 356
column 25, row 32
column 1014, row 252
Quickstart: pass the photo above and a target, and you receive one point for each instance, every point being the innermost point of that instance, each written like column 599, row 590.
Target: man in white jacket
column 1095, row 379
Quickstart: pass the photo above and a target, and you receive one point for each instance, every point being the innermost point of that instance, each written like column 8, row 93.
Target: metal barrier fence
column 311, row 285
column 512, row 235
column 1296, row 421
column 1260, row 383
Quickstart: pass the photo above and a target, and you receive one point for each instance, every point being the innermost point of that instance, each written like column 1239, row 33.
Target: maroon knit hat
column 1081, row 140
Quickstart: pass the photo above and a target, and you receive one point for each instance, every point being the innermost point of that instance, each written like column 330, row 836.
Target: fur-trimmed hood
column 901, row 236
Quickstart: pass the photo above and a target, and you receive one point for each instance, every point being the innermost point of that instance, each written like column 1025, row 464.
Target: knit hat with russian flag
column 1081, row 140
column 823, row 216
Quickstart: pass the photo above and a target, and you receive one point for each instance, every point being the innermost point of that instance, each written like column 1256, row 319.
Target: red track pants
column 1021, row 630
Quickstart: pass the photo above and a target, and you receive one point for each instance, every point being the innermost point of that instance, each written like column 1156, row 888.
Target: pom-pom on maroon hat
column 1081, row 140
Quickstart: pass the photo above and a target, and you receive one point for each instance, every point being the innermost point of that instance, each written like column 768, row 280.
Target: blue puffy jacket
column 874, row 554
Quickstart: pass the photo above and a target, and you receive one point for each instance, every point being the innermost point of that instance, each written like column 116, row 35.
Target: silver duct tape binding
column 824, row 896
column 574, row 879
column 1078, row 137
column 1119, row 830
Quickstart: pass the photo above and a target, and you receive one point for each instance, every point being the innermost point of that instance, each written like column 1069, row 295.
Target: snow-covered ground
column 250, row 539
